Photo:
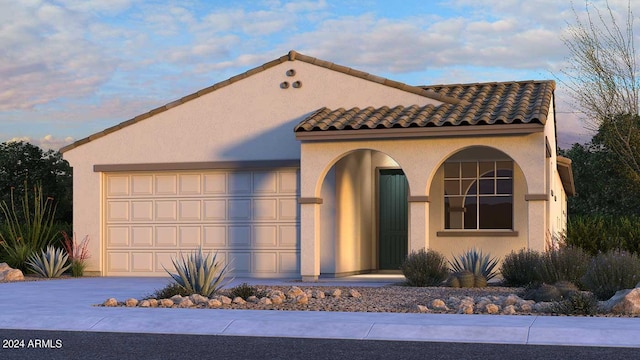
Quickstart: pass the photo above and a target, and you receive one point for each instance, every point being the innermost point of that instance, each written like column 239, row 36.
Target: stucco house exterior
column 302, row 167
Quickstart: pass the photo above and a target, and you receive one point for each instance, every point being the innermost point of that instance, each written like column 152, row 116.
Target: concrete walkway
column 67, row 304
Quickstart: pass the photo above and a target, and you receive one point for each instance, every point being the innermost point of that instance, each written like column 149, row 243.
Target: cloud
column 47, row 142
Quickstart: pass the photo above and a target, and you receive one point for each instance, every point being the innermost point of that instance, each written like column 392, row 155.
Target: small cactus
column 466, row 278
column 453, row 281
column 479, row 281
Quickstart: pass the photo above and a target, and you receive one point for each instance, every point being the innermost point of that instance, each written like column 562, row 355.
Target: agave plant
column 50, row 263
column 199, row 274
column 475, row 261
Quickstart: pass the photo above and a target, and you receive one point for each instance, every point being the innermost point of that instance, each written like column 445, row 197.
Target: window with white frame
column 478, row 195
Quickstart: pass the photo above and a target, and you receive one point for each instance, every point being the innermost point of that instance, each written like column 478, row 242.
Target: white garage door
column 250, row 217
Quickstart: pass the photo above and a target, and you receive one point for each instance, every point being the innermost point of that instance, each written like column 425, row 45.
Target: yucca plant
column 50, row 263
column 198, row 274
column 476, row 262
column 29, row 230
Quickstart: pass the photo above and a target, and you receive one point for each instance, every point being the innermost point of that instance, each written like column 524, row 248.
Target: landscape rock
column 7, row 273
column 198, row 299
column 177, row 299
column 509, row 310
column 185, row 303
column 492, row 309
column 238, row 300
column 335, row 293
column 265, row 301
column 166, row 302
column 144, row 304
column 300, row 299
column 110, row 302
column 317, row 294
column 277, row 300
column 354, row 293
column 253, row 299
column 625, row 302
column 438, row 304
column 153, row 302
column 422, row 309
column 214, row 303
column 294, row 292
column 225, row 300
column 131, row 302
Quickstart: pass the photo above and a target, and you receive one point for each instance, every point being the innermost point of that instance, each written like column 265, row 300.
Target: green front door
column 393, row 220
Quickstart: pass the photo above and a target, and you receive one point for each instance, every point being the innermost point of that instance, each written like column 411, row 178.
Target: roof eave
column 566, row 175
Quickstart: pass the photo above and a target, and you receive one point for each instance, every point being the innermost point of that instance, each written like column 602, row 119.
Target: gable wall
column 251, row 119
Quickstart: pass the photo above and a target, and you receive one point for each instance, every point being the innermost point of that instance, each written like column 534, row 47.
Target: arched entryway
column 364, row 214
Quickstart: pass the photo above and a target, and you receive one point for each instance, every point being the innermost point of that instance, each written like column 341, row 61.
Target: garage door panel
column 248, row 216
column 265, row 236
column 265, row 182
column 240, row 183
column 141, row 210
column 141, row 185
column 240, row 209
column 166, row 210
column 215, row 236
column 117, row 211
column 118, row 186
column 189, row 210
column 215, row 209
column 141, row 262
column 166, row 185
column 189, row 184
column 118, row 236
column 265, row 209
column 215, row 183
column 190, row 236
column 239, row 236
column 166, row 236
column 142, row 236
column 118, row 261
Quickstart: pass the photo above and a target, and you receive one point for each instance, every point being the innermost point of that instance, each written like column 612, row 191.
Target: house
column 302, row 167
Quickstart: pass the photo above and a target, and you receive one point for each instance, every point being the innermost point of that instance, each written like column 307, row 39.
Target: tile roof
column 522, row 102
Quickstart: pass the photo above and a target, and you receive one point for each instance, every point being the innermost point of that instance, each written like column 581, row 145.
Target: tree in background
column 23, row 163
column 603, row 184
column 602, row 77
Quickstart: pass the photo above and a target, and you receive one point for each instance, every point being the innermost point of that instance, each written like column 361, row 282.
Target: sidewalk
column 68, row 305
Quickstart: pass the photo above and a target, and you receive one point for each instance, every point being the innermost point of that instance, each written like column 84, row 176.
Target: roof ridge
column 491, row 83
column 292, row 55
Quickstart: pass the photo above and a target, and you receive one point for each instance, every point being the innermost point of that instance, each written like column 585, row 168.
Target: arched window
column 478, row 195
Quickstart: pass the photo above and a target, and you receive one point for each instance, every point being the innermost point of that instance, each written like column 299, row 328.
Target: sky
column 71, row 68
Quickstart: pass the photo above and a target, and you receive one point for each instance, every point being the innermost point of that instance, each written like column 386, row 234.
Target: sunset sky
column 70, row 68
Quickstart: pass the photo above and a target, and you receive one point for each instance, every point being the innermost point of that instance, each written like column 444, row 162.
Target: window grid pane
column 484, row 196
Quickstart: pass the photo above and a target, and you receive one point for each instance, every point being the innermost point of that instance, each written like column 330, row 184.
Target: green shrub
column 599, row 233
column 50, row 263
column 199, row 274
column 168, row 291
column 567, row 263
column 26, row 231
column 245, row 291
column 578, row 303
column 476, row 262
column 522, row 268
column 425, row 268
column 610, row 272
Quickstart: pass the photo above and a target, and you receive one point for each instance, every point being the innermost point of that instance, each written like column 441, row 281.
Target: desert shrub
column 50, row 263
column 610, row 272
column 168, row 291
column 26, row 230
column 78, row 253
column 245, row 291
column 425, row 268
column 522, row 268
column 577, row 303
column 599, row 233
column 476, row 262
column 567, row 263
column 199, row 274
